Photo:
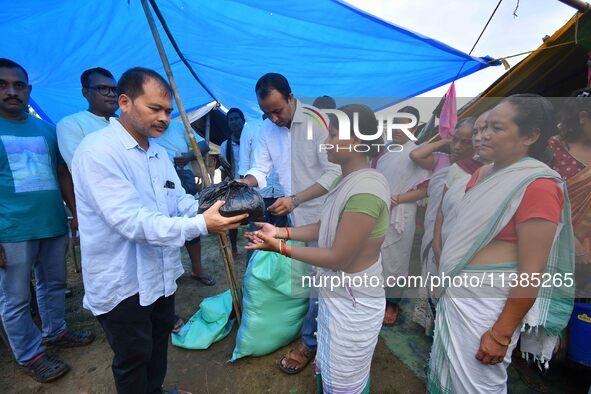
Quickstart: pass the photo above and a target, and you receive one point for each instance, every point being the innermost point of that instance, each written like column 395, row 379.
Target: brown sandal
column 300, row 355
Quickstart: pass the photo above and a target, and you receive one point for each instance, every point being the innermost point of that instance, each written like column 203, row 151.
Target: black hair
column 324, row 102
column 271, row 81
column 238, row 111
column 534, row 113
column 132, row 82
column 367, row 125
column 411, row 110
column 466, row 121
column 7, row 63
column 579, row 101
column 84, row 78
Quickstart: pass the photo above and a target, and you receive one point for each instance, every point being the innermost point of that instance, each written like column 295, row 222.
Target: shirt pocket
column 170, row 199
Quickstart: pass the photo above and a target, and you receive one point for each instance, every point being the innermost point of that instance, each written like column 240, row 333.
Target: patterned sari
column 578, row 183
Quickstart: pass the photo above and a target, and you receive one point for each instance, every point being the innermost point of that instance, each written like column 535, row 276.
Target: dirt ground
column 197, row 371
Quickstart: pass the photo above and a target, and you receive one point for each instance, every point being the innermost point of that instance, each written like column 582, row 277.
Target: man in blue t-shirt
column 34, row 182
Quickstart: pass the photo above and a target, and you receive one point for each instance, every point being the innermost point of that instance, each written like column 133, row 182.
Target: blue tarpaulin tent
column 321, row 46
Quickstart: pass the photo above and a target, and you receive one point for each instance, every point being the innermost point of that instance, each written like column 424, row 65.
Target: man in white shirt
column 304, row 171
column 133, row 218
column 304, row 174
column 100, row 90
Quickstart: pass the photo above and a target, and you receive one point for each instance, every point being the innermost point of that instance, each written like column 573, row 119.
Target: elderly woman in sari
column 425, row 156
column 349, row 234
column 572, row 156
column 458, row 174
column 512, row 232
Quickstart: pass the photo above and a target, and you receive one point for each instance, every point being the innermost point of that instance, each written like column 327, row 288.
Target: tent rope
column 479, row 37
column 485, row 26
column 538, row 49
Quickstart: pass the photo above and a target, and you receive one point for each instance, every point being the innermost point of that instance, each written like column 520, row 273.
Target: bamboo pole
column 207, row 136
column 226, row 253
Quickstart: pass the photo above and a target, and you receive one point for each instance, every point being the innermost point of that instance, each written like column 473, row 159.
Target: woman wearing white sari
column 512, row 233
column 349, row 234
column 455, row 188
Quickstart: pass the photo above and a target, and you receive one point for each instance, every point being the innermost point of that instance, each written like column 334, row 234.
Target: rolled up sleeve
column 263, row 163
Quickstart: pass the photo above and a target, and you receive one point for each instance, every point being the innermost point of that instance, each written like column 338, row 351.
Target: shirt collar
column 102, row 118
column 126, row 139
column 298, row 115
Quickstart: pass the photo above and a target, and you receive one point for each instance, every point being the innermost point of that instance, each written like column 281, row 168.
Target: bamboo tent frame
column 235, row 289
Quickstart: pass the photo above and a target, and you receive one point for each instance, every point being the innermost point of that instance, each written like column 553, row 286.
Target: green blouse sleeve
column 373, row 206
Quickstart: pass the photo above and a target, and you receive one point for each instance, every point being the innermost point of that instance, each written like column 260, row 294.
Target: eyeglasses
column 104, row 90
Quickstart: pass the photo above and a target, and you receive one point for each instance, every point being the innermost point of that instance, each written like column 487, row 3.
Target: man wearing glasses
column 100, row 90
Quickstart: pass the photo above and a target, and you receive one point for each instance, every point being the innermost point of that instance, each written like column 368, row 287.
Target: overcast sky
column 458, row 23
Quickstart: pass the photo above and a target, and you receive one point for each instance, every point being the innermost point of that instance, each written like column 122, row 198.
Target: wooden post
column 225, row 247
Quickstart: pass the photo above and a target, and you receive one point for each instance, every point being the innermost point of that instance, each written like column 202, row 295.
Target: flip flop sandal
column 304, row 359
column 289, row 371
column 46, row 368
column 206, row 279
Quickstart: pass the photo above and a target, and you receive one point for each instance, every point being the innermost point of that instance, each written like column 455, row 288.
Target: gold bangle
column 280, row 247
column 497, row 340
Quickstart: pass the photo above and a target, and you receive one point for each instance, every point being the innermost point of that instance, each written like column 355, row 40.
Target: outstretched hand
column 267, row 229
column 259, row 240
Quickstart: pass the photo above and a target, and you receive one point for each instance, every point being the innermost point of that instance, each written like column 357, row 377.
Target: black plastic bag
column 239, row 199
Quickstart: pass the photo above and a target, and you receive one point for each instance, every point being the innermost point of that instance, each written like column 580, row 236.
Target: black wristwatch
column 295, row 200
